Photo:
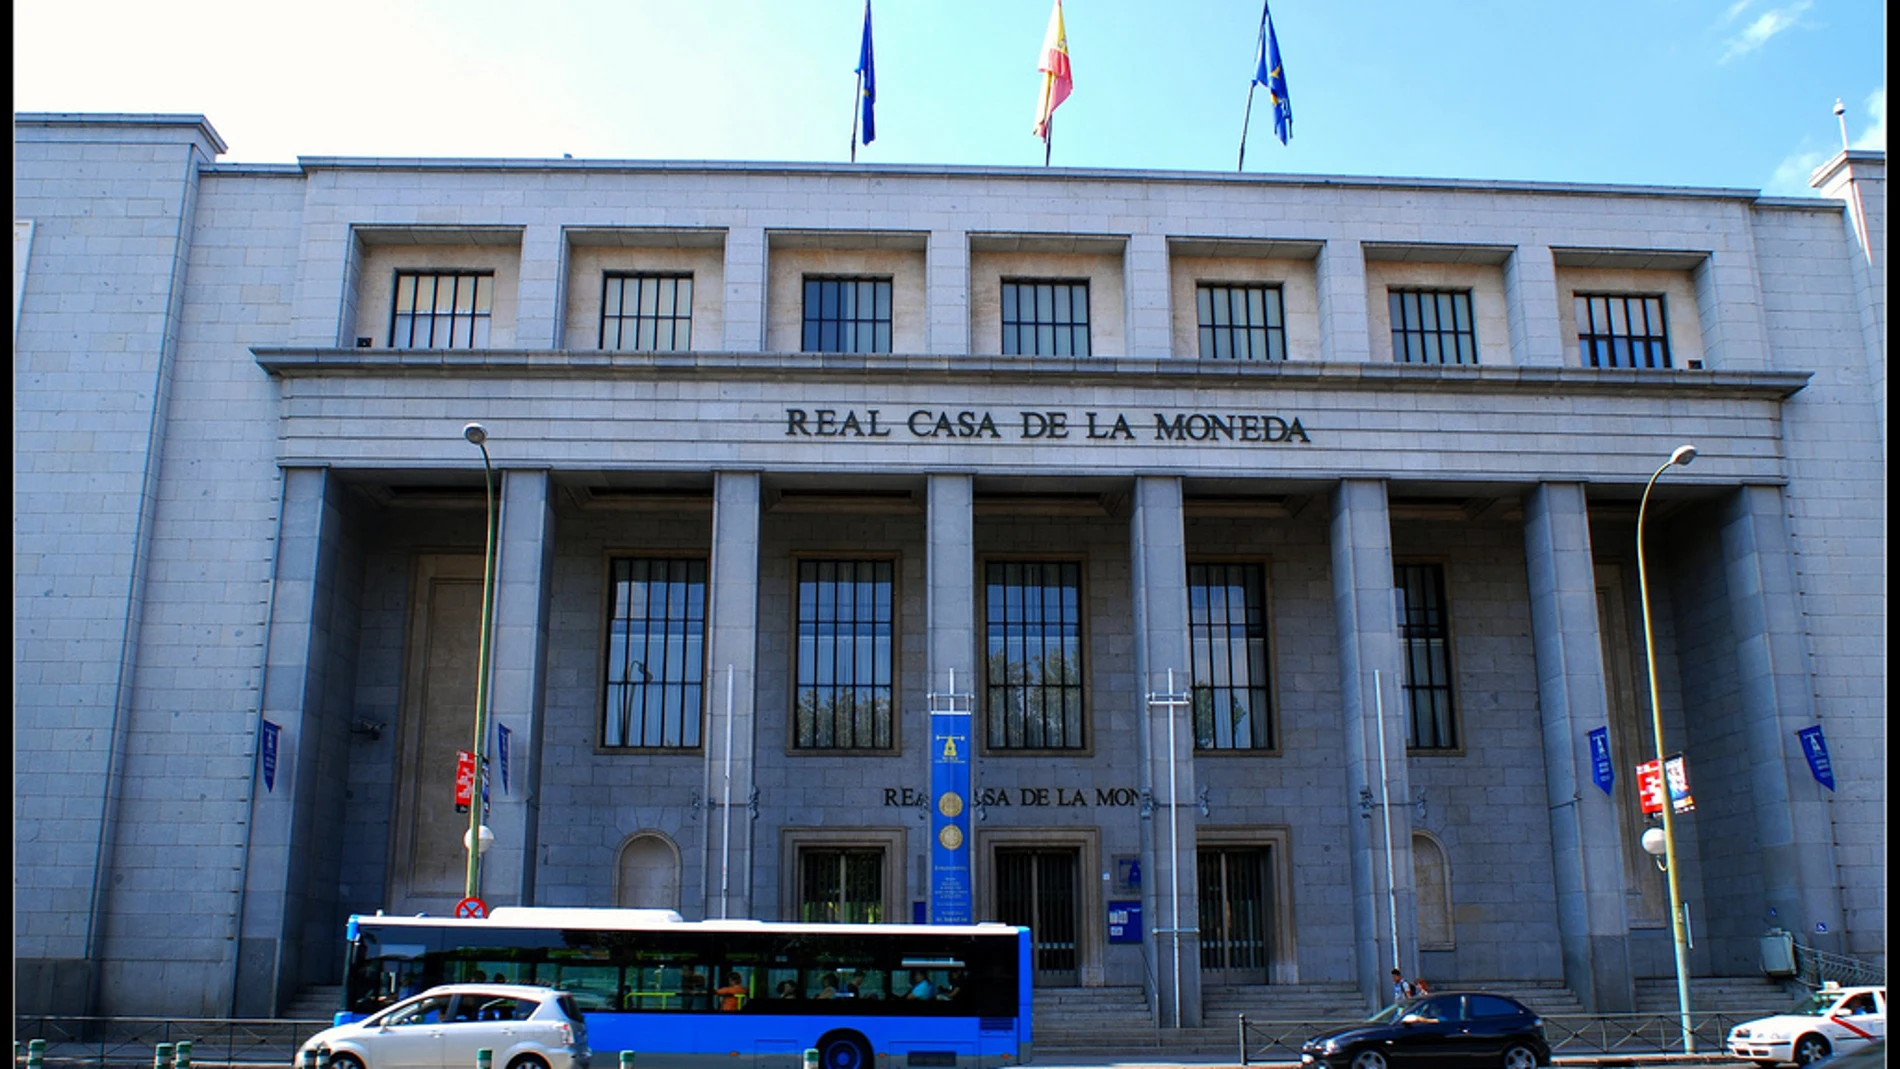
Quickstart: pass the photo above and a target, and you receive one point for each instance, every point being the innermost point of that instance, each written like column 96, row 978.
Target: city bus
column 681, row 993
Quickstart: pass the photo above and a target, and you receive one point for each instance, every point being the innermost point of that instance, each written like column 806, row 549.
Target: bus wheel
column 844, row 1050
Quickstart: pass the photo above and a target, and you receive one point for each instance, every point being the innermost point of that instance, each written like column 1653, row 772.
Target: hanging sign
column 1649, row 786
column 267, row 744
column 949, row 890
column 1601, row 768
column 464, row 780
column 501, row 749
column 1677, row 773
column 1814, row 744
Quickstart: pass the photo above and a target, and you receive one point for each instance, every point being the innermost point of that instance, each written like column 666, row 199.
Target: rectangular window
column 1045, row 318
column 1034, row 655
column 655, row 653
column 1227, row 630
column 442, row 310
column 647, row 313
column 1240, row 322
column 841, row 886
column 1433, row 327
column 845, row 689
column 1425, row 641
column 1622, row 330
column 847, row 315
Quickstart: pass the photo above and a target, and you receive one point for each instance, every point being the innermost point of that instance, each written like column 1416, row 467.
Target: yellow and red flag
column 1057, row 79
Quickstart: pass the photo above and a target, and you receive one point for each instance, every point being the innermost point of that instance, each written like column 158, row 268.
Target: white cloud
column 1764, row 28
column 1875, row 135
column 1791, row 174
column 1735, row 9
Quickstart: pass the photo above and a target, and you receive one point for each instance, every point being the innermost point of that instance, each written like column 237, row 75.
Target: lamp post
column 479, row 837
column 1683, row 455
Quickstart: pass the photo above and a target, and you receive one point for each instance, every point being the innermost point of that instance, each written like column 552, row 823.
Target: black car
column 1459, row 1029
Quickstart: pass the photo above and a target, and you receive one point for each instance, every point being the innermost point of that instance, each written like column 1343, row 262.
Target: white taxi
column 1832, row 1019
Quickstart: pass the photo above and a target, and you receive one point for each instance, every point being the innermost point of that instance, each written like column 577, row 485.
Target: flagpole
column 1048, row 138
column 857, row 102
column 1244, row 122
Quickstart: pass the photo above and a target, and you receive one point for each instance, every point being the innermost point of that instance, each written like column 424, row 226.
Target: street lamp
column 479, row 837
column 1683, row 455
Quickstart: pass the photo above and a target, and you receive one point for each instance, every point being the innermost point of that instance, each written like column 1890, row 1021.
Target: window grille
column 1619, row 330
column 647, row 313
column 442, row 310
column 655, row 653
column 1432, row 327
column 1227, row 630
column 1045, row 318
column 845, row 687
column 1425, row 638
column 1240, row 322
column 841, row 886
column 847, row 315
column 1034, row 655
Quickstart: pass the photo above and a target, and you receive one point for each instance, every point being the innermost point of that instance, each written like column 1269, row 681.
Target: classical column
column 1572, row 696
column 1342, row 303
column 947, row 289
column 745, row 290
column 1365, row 612
column 1158, row 556
column 732, row 651
column 517, row 674
column 1145, row 271
column 950, row 691
column 1530, row 295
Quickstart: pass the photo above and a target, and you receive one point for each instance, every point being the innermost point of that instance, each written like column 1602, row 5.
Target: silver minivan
column 442, row 1028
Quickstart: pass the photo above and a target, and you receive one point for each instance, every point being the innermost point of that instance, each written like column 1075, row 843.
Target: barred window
column 1425, row 640
column 847, row 315
column 441, row 310
column 1034, row 655
column 1622, row 330
column 655, row 653
column 647, row 313
column 840, row 886
column 1045, row 318
column 1240, row 322
column 845, row 690
column 1227, row 630
column 1432, row 327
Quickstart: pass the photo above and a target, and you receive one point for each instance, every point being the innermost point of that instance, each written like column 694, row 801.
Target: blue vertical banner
column 950, row 891
column 1814, row 744
column 1601, row 769
column 501, row 751
column 267, row 746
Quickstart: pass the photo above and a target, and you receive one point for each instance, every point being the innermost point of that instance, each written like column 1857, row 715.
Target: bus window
column 735, row 988
column 784, row 983
column 594, row 987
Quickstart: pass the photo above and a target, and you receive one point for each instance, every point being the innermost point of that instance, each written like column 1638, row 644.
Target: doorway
column 1236, row 945
column 1037, row 887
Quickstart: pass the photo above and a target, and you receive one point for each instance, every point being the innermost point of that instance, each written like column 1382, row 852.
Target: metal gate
column 1037, row 888
column 1234, row 910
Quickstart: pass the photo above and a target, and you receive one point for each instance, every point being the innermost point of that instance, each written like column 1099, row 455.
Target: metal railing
column 1815, row 967
column 1598, row 1033
column 129, row 1042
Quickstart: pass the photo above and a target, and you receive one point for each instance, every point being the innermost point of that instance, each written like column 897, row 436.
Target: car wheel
column 1520, row 1058
column 1368, row 1059
column 528, row 1061
column 1809, row 1048
column 339, row 1060
column 844, row 1050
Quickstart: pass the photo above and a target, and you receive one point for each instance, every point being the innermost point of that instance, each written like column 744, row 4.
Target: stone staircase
column 1737, row 996
column 315, row 1002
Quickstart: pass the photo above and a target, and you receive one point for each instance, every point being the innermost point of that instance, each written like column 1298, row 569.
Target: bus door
column 1037, row 888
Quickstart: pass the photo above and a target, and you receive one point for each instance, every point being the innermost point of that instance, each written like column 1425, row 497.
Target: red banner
column 1649, row 786
column 465, row 780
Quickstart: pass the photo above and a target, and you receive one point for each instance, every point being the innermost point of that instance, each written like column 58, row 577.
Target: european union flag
column 867, row 85
column 1269, row 72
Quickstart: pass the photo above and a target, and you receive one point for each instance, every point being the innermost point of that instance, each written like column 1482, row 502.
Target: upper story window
column 442, row 309
column 647, row 313
column 1045, row 318
column 656, row 653
column 1227, row 631
column 1033, row 638
column 1425, row 641
column 1433, row 327
column 1622, row 330
column 844, row 684
column 847, row 315
column 1240, row 322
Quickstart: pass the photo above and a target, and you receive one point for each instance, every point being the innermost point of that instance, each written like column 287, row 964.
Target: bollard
column 309, row 1060
column 182, row 1059
column 626, row 1059
column 484, row 1058
column 162, row 1056
column 320, row 1058
column 35, row 1054
column 811, row 1058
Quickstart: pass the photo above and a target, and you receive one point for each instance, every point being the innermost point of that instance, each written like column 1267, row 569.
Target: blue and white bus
column 700, row 993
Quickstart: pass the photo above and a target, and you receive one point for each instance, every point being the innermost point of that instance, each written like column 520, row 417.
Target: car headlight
column 1329, row 1046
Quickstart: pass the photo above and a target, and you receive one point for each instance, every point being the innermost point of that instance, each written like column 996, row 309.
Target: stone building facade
column 1267, row 544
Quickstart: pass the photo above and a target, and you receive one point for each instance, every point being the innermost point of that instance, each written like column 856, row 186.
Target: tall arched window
column 1431, row 876
column 649, row 874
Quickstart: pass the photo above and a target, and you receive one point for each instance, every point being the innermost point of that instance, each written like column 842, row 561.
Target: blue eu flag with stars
column 1269, row 72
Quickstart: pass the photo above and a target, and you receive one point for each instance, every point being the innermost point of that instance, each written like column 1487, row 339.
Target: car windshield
column 1815, row 1004
column 1391, row 1013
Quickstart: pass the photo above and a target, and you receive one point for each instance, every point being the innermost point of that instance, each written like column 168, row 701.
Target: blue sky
column 1730, row 93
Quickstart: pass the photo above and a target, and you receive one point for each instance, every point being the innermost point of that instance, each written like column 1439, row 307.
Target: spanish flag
column 1057, row 79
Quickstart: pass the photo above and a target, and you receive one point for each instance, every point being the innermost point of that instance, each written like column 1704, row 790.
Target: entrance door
column 1234, row 910
column 1037, row 888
